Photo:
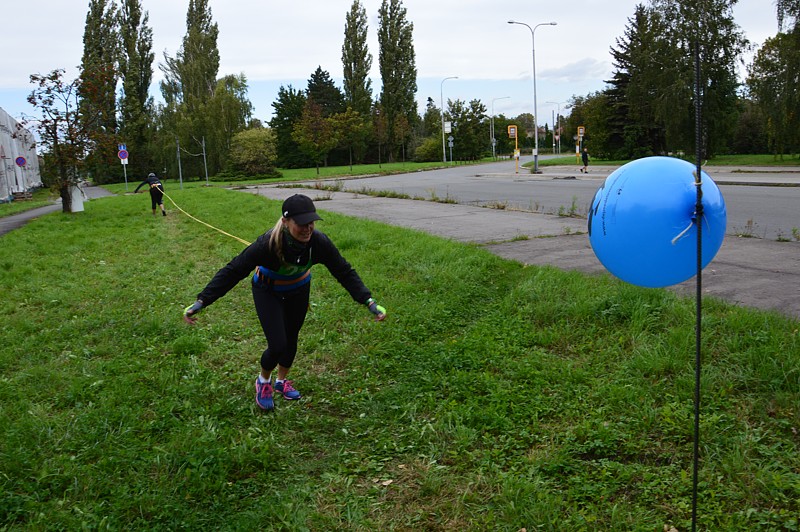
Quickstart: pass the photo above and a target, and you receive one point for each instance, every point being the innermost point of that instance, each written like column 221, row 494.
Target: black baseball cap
column 300, row 208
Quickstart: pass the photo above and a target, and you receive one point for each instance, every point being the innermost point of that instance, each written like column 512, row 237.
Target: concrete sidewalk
column 750, row 272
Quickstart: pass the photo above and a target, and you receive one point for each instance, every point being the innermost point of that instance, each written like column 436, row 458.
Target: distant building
column 19, row 164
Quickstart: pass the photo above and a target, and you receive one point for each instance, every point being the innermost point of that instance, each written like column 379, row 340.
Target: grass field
column 493, row 397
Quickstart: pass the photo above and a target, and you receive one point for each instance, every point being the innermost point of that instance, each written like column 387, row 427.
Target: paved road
column 753, row 207
column 753, row 272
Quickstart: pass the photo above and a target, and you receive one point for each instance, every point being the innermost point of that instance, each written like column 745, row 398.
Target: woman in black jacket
column 282, row 259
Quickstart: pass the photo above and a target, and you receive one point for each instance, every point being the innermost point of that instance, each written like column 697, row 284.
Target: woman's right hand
column 191, row 311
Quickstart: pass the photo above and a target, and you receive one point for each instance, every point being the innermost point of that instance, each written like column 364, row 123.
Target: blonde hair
column 276, row 238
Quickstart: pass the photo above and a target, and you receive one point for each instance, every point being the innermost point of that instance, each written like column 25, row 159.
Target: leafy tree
column 231, row 111
column 357, row 61
column 64, row 130
column 314, row 134
column 97, row 90
column 397, row 66
column 352, row 130
column 707, row 26
column 379, row 128
column 136, row 70
column 288, row 109
column 469, row 128
column 325, row 93
column 189, row 82
column 775, row 91
column 253, row 152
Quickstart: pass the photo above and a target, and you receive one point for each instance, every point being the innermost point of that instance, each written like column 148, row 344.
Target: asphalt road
column 760, row 202
column 756, row 272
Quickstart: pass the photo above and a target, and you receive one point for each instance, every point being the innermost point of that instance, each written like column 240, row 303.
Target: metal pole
column 180, row 172
column 205, row 165
column 535, row 115
column 441, row 101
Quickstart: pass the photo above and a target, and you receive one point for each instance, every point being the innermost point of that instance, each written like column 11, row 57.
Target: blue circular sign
column 123, row 154
column 21, row 161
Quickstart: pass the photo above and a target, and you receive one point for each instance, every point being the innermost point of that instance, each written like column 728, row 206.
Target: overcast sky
column 282, row 42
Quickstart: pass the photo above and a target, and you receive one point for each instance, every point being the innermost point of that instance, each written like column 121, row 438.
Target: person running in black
column 156, row 192
column 282, row 259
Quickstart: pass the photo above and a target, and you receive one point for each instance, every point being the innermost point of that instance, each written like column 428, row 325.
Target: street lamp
column 441, row 100
column 491, row 127
column 535, row 116
column 558, row 123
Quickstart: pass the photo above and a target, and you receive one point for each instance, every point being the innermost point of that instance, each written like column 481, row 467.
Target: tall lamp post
column 535, row 115
column 558, row 123
column 441, row 99
column 491, row 127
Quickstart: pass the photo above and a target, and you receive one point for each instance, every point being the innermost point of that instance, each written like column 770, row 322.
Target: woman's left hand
column 379, row 311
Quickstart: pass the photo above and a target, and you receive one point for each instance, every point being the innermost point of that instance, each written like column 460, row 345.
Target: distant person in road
column 156, row 192
column 585, row 159
column 282, row 259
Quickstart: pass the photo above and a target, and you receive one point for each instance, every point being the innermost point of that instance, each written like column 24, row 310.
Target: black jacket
column 150, row 182
column 319, row 250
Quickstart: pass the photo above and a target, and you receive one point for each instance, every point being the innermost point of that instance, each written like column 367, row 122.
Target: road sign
column 512, row 132
column 20, row 161
column 123, row 154
column 581, row 131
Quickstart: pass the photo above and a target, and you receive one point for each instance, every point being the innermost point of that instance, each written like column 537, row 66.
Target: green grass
column 41, row 197
column 493, row 397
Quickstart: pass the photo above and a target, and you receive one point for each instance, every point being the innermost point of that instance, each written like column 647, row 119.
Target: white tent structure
column 19, row 164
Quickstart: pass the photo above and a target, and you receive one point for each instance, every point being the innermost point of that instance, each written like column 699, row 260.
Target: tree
column 189, row 82
column 357, row 61
column 633, row 90
column 352, row 130
column 136, row 71
column 253, row 152
column 775, row 91
column 231, row 111
column 314, row 134
column 288, row 108
column 63, row 129
column 397, row 66
column 708, row 27
column 325, row 93
column 470, row 130
column 97, row 90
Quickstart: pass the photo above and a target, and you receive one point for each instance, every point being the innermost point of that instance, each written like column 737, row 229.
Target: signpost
column 512, row 134
column 123, row 158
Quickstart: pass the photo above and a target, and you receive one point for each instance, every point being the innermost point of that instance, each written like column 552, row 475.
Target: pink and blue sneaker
column 286, row 389
column 264, row 395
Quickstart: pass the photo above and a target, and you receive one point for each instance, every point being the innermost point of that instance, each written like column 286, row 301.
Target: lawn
column 493, row 397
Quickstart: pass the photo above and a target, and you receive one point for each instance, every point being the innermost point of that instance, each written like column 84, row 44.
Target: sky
column 277, row 43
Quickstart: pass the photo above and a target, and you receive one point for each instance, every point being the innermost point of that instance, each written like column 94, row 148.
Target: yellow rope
column 245, row 242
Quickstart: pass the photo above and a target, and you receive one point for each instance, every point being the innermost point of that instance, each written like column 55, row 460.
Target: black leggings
column 281, row 317
column 156, row 197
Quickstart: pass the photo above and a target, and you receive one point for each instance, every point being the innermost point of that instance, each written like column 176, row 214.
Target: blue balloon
column 642, row 223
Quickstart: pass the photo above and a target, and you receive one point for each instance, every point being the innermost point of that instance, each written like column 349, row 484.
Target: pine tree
column 397, row 67
column 288, row 108
column 357, row 61
column 325, row 93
